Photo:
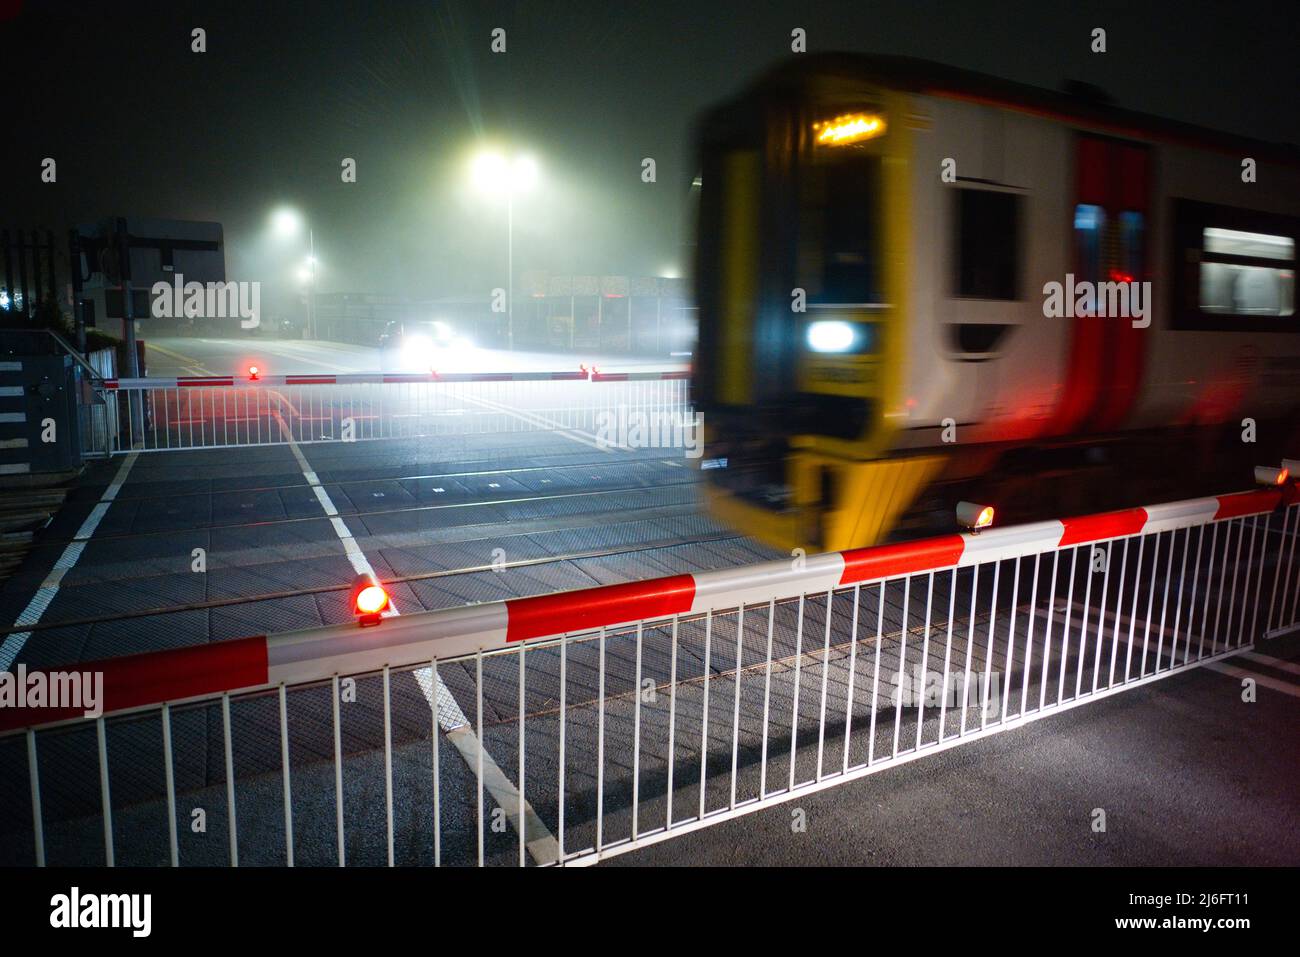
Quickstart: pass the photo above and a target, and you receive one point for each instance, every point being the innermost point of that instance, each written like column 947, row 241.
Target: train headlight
column 1270, row 476
column 831, row 335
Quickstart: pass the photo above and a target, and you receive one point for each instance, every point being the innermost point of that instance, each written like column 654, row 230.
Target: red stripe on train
column 1094, row 528
column 905, row 558
column 593, row 607
column 134, row 681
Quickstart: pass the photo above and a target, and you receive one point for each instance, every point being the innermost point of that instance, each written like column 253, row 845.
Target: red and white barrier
column 357, row 378
column 140, row 681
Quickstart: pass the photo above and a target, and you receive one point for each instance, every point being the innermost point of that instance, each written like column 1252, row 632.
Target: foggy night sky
column 140, row 126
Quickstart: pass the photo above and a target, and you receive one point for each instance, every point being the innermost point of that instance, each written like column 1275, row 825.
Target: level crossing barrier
column 254, row 409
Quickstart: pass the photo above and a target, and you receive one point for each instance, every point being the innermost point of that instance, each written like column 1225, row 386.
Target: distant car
column 423, row 346
column 279, row 327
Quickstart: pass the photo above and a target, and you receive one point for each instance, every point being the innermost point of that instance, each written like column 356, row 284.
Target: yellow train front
column 876, row 237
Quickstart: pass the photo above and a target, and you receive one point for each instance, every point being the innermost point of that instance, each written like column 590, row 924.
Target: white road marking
column 577, row 435
column 14, row 643
column 540, row 842
column 282, row 350
column 1288, row 666
column 1184, row 640
column 1232, row 671
column 1274, row 683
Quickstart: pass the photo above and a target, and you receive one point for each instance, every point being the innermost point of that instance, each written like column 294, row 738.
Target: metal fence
column 98, row 419
column 563, row 729
column 203, row 412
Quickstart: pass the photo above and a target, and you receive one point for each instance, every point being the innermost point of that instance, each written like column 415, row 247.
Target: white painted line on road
column 451, row 719
column 1288, row 666
column 281, row 350
column 540, row 842
column 36, row 608
column 324, row 499
column 577, row 435
column 1183, row 640
column 1274, row 683
column 350, row 547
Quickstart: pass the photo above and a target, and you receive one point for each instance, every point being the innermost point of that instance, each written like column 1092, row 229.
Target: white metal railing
column 97, row 406
column 570, row 727
column 199, row 412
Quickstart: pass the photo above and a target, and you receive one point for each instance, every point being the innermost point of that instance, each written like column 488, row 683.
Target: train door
column 1110, row 216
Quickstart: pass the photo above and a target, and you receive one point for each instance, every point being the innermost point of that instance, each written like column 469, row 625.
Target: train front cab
column 802, row 290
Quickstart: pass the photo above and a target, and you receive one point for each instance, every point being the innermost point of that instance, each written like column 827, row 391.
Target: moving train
column 919, row 285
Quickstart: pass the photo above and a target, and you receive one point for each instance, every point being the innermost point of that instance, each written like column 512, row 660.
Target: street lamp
column 286, row 224
column 493, row 174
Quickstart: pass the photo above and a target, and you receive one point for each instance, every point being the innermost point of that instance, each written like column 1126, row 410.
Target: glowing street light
column 286, row 224
column 493, row 174
column 307, row 271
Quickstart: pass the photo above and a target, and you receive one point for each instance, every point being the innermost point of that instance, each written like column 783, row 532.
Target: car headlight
column 417, row 348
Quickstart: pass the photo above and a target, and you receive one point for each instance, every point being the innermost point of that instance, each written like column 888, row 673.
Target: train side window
column 987, row 253
column 1247, row 274
column 1089, row 228
column 1235, row 268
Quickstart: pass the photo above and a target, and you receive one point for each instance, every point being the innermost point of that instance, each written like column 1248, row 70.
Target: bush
column 48, row 315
